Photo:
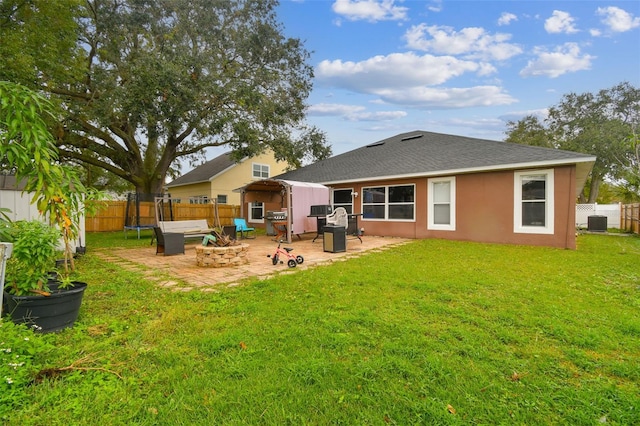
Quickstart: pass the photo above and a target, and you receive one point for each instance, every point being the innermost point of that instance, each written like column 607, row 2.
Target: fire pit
column 221, row 257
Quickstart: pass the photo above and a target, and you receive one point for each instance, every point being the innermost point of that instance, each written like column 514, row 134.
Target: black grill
column 276, row 215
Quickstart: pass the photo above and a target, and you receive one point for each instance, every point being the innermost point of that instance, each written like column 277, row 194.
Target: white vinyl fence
column 611, row 211
column 22, row 209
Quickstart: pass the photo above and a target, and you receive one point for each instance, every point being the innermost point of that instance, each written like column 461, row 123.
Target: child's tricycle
column 292, row 260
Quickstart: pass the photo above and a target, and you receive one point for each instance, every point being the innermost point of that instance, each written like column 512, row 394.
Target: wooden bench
column 190, row 228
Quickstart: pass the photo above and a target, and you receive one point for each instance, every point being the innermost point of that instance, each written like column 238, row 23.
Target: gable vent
column 410, row 137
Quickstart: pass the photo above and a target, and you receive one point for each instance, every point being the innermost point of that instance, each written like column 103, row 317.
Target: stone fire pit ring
column 222, row 257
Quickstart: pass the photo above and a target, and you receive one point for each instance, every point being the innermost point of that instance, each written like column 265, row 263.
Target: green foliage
column 150, row 82
column 34, row 253
column 20, row 349
column 28, row 148
column 529, row 131
column 592, row 123
column 38, row 40
column 432, row 332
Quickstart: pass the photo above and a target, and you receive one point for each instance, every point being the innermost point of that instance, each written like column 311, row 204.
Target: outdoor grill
column 276, row 221
column 276, row 216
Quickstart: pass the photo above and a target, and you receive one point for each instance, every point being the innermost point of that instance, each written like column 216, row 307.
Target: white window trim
column 452, row 205
column 387, row 204
column 518, row 228
column 268, row 167
column 250, row 215
column 334, row 205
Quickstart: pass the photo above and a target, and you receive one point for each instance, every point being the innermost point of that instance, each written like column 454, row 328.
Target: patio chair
column 243, row 229
column 170, row 243
column 339, row 218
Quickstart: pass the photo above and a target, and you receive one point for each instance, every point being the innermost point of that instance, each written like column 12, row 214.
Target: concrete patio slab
column 181, row 273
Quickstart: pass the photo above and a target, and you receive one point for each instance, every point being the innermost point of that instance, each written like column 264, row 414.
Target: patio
column 180, row 272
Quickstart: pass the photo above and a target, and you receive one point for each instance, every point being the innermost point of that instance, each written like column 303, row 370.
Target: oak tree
column 155, row 82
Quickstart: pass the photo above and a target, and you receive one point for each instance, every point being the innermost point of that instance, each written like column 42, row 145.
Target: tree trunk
column 582, row 198
column 151, row 186
column 594, row 188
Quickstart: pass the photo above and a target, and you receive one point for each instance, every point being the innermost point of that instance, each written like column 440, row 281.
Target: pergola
column 296, row 198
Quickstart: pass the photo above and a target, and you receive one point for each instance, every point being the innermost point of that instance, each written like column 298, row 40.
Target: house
column 216, row 179
column 429, row 185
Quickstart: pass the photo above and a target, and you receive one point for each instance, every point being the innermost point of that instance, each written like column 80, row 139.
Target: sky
column 384, row 67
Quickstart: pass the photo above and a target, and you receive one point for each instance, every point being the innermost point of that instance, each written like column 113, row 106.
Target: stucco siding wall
column 484, row 207
column 484, row 211
column 226, row 181
column 186, row 191
column 241, row 175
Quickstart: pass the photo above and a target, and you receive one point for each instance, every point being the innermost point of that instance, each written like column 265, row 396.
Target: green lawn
column 433, row 332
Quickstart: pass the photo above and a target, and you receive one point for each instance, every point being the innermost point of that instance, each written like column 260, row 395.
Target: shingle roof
column 205, row 172
column 421, row 153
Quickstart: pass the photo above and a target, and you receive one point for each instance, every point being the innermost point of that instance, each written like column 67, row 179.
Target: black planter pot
column 49, row 313
column 60, row 263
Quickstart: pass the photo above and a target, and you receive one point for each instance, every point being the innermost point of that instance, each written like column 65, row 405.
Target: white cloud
column 564, row 59
column 377, row 116
column 560, row 22
column 394, row 70
column 472, row 42
column 370, row 10
column 618, row 20
column 324, row 109
column 435, row 6
column 541, row 114
column 353, row 112
column 506, row 18
column 405, row 79
column 445, row 98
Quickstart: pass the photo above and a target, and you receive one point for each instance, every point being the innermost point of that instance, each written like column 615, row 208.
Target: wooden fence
column 112, row 216
column 630, row 218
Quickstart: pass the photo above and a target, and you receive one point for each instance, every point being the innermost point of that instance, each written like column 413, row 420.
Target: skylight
column 410, row 137
column 375, row 144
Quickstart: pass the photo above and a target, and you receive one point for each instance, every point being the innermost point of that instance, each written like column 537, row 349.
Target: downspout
column 570, row 229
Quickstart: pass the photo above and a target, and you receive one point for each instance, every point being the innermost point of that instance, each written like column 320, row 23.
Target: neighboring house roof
column 205, row 172
column 421, row 153
column 8, row 182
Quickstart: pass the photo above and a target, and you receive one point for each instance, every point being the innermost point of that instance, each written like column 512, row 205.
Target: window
column 260, row 171
column 389, row 202
column 401, row 202
column 256, row 212
column 533, row 207
column 343, row 198
column 221, row 199
column 199, row 199
column 441, row 204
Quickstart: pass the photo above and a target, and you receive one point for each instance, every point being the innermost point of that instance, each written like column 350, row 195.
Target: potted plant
column 31, row 295
column 28, row 148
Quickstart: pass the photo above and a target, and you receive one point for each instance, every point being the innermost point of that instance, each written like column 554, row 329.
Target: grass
column 433, row 332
